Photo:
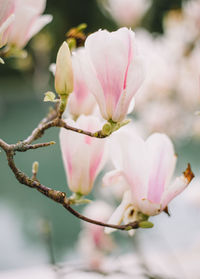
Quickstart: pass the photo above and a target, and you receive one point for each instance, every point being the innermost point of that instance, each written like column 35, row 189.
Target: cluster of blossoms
column 20, row 20
column 171, row 88
column 109, row 75
column 97, row 86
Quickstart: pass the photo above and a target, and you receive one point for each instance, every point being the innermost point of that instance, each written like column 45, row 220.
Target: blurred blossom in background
column 36, row 232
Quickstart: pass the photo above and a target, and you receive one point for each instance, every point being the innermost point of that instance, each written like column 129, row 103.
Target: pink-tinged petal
column 38, row 24
column 6, row 9
column 83, row 160
column 117, row 216
column 161, row 165
column 134, row 79
column 27, row 21
column 4, row 30
column 81, row 101
column 149, row 208
column 37, row 5
column 127, row 12
column 104, row 48
column 94, row 165
column 111, row 55
column 177, row 187
column 24, row 18
column 93, row 83
column 133, row 152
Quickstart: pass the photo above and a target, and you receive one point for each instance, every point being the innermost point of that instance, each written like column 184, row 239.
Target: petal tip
column 188, row 174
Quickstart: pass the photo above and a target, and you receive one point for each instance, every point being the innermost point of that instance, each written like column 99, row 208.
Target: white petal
column 149, row 208
column 38, row 25
column 177, row 187
column 117, row 216
column 112, row 177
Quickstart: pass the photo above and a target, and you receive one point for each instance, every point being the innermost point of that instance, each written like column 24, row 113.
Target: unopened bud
column 64, row 73
column 107, row 129
column 35, row 167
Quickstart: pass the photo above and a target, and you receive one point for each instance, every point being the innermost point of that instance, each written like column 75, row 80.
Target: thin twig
column 57, row 196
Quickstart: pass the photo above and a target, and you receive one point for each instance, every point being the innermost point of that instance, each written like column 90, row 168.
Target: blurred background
column 34, row 231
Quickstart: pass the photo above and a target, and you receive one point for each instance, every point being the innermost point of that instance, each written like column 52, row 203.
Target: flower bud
column 64, row 72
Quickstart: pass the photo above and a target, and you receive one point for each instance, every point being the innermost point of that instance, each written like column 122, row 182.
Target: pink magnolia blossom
column 113, row 71
column 127, row 12
column 81, row 101
column 146, row 168
column 83, row 156
column 28, row 21
column 6, row 18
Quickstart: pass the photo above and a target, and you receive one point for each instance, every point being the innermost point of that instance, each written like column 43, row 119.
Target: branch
column 53, row 119
column 57, row 196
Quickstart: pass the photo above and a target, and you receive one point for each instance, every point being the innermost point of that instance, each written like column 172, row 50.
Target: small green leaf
column 82, row 27
column 50, row 97
column 146, row 225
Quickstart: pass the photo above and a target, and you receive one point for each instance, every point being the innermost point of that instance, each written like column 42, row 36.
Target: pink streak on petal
column 88, row 140
column 81, row 92
column 157, row 180
column 69, row 163
column 94, row 166
column 130, row 55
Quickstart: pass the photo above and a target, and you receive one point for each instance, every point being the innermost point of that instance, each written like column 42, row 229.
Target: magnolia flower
column 81, row 101
column 146, row 168
column 64, row 74
column 127, row 12
column 28, row 21
column 83, row 156
column 113, row 71
column 6, row 18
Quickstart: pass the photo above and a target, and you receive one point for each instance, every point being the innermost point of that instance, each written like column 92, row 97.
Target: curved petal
column 134, row 79
column 112, row 177
column 118, row 214
column 83, row 156
column 177, row 187
column 111, row 55
column 27, row 21
column 6, row 9
column 161, row 161
column 24, row 17
column 3, row 30
column 92, row 82
column 82, row 100
column 39, row 23
column 37, row 5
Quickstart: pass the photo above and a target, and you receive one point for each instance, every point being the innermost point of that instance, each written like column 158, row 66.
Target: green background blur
column 22, row 84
